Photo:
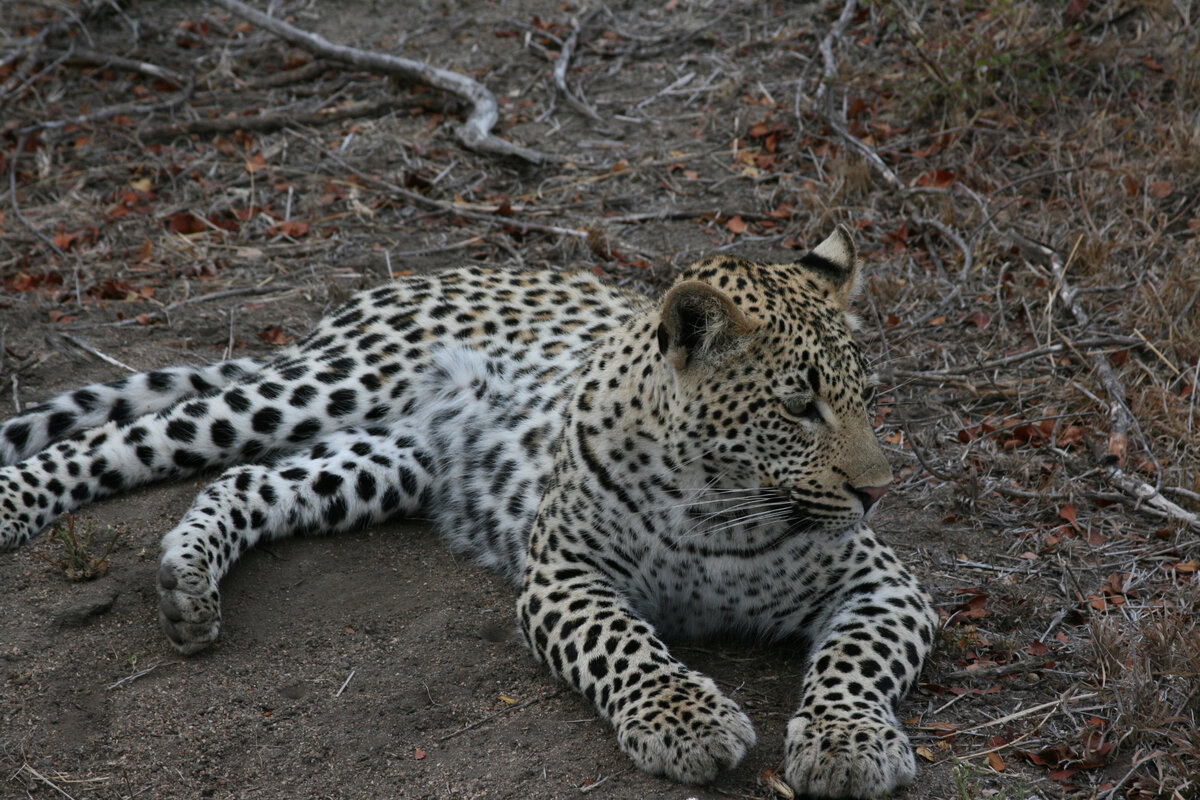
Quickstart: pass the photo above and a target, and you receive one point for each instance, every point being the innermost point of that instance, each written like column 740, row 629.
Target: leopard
column 642, row 470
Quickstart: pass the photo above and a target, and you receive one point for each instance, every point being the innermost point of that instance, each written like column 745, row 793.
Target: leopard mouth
column 802, row 520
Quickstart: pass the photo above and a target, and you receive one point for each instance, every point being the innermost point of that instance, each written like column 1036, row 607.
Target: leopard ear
column 835, row 261
column 700, row 323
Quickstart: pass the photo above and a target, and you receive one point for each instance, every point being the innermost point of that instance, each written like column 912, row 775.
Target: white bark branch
column 474, row 134
column 1121, row 418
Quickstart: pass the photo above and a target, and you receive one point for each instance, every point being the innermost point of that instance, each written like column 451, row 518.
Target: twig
column 424, row 251
column 501, row 712
column 474, row 133
column 82, row 345
column 1010, row 743
column 1016, row 715
column 270, row 121
column 997, row 671
column 867, row 152
column 597, row 784
column 127, row 109
column 39, row 776
column 200, row 298
column 560, row 75
column 345, row 683
column 826, row 48
column 1156, row 352
column 676, row 84
column 1014, row 358
column 452, row 208
column 140, row 674
column 823, row 107
column 1121, row 417
column 12, row 188
column 946, row 231
column 1152, row 498
column 89, row 56
column 28, row 80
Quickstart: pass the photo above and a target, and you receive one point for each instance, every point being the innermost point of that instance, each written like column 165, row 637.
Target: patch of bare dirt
column 180, row 186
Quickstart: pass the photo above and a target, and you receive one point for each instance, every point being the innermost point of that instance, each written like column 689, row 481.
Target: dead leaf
column 418, row 754
column 1161, row 189
column 737, row 225
column 979, row 319
column 943, row 729
column 293, row 228
column 1118, row 447
column 275, row 336
column 1067, row 512
column 63, row 241
column 778, row 786
column 936, row 178
column 256, row 163
column 996, row 762
column 185, row 222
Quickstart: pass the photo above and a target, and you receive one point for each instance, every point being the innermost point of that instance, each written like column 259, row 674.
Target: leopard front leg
column 345, row 481
column 671, row 720
column 844, row 740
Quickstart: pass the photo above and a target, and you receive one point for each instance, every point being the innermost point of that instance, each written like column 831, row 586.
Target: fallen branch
column 452, row 208
column 560, row 76
column 121, row 109
column 87, row 55
column 826, row 48
column 272, row 121
column 167, row 309
column 501, row 712
column 82, row 345
column 140, row 674
column 1121, row 417
column 474, row 134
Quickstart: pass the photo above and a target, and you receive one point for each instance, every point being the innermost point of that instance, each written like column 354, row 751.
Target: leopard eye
column 802, row 407
column 870, row 396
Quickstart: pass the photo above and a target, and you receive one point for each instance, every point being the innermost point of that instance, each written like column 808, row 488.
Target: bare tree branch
column 474, row 134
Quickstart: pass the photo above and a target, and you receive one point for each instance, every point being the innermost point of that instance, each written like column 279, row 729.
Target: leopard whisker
column 750, row 521
column 763, row 510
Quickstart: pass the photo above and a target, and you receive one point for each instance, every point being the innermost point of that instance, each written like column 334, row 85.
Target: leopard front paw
column 861, row 758
column 189, row 605
column 684, row 729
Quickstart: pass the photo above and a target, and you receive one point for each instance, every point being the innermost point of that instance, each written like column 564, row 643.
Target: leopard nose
column 870, row 495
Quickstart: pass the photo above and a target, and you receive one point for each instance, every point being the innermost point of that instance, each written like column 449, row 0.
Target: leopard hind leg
column 346, row 480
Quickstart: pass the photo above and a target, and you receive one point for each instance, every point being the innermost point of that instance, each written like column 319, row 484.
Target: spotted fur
column 695, row 465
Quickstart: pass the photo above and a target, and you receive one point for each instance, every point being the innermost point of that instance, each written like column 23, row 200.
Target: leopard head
column 771, row 395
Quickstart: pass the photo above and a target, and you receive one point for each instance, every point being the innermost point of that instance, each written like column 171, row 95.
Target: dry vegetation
column 1023, row 177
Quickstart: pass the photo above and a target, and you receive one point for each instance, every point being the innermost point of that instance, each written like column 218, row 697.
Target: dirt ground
column 1023, row 181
